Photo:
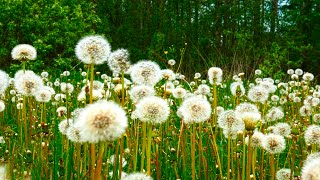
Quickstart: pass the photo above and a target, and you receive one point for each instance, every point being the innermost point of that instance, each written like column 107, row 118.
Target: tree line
column 237, row 35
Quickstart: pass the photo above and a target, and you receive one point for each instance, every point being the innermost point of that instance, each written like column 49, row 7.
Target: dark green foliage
column 235, row 35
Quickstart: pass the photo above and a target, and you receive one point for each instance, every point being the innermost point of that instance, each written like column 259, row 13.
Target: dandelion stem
column 149, row 149
column 193, row 153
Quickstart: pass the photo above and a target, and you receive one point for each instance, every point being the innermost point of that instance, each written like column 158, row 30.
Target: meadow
column 143, row 122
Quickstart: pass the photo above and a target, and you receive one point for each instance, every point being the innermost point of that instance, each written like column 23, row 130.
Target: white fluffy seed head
column 258, row 94
column 139, row 92
column 215, row 75
column 283, row 174
column 312, row 134
column 275, row 113
column 168, row 74
column 282, row 129
column 118, row 61
column 64, row 125
column 153, row 110
column 311, row 170
column 137, row 176
column 24, row 52
column 229, row 120
column 101, row 121
column 93, row 49
column 195, row 110
column 237, row 89
column 273, row 143
column 4, row 83
column 2, row 106
column 44, row 94
column 73, row 134
column 179, row 93
column 27, row 83
column 145, row 73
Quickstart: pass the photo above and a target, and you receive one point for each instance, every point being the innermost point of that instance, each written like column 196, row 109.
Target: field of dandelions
column 142, row 122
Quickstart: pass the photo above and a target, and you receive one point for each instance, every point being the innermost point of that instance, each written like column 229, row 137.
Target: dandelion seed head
column 101, row 121
column 275, row 113
column 4, row 83
column 258, row 94
column 282, row 129
column 237, row 89
column 273, row 143
column 2, row 106
column 312, row 134
column 138, row 92
column 179, row 93
column 146, row 73
column 24, row 52
column 283, row 174
column 229, row 120
column 64, row 125
column 308, row 77
column 137, row 176
column 93, row 49
column 168, row 74
column 152, row 109
column 73, row 134
column 172, row 62
column 311, row 170
column 195, row 109
column 27, row 83
column 119, row 61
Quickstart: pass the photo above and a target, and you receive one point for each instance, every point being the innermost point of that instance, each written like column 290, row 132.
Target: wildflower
column 306, row 110
column 316, row 118
column 168, row 74
column 64, row 125
column 137, row 176
column 246, row 107
column 146, row 73
column 73, row 134
column 228, row 120
column 44, row 94
column 153, row 109
column 311, row 170
column 270, row 87
column 275, row 113
column 4, row 83
column 197, row 75
column 237, row 89
column 66, row 88
column 119, row 61
column 250, row 120
column 258, row 72
column 61, row 111
column 308, row 76
column 2, row 106
column 27, row 83
column 312, row 135
column 256, row 139
column 60, row 97
column 290, row 71
column 101, row 121
column 93, row 50
column 273, row 143
column 171, row 62
column 283, row 174
column 298, row 72
column 215, row 75
column 195, row 109
column 203, row 89
column 179, row 93
column 258, row 94
column 282, row 129
column 24, row 52
column 66, row 73
column 138, row 92
column 219, row 110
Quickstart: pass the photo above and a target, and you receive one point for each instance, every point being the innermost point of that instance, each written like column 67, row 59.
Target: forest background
column 236, row 35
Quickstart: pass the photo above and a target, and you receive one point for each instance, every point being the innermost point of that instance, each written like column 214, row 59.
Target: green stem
column 193, row 153
column 149, row 149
